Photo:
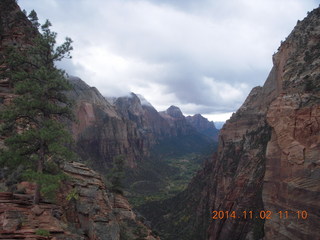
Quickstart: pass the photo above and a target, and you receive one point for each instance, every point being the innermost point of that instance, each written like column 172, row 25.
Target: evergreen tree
column 116, row 174
column 36, row 138
column 33, row 17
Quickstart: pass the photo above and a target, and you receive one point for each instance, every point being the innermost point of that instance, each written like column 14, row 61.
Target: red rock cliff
column 268, row 156
column 291, row 181
column 84, row 209
column 101, row 133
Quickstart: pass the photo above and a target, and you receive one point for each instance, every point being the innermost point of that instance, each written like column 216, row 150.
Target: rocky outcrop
column 146, row 118
column 177, row 121
column 101, row 132
column 267, row 159
column 84, row 209
column 204, row 126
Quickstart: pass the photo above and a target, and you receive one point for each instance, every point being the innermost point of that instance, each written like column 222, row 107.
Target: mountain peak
column 174, row 112
column 203, row 125
column 200, row 120
column 144, row 102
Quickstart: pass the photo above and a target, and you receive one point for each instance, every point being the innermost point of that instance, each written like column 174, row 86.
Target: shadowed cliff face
column 123, row 126
column 147, row 120
column 267, row 159
column 101, row 133
column 203, row 126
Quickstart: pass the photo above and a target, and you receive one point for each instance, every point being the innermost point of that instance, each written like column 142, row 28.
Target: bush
column 43, row 232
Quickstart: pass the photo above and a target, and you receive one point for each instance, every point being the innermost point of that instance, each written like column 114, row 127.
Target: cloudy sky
column 203, row 56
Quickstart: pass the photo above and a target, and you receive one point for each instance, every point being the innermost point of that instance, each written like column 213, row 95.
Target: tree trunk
column 37, row 195
column 36, row 198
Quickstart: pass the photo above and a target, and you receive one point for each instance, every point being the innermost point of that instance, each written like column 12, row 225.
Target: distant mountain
column 129, row 126
column 150, row 124
column 101, row 132
column 203, row 125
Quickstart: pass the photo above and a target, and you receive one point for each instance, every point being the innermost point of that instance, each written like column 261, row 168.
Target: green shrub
column 73, row 194
column 43, row 232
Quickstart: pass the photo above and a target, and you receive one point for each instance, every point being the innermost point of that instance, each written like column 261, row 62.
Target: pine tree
column 36, row 138
column 33, row 18
column 116, row 174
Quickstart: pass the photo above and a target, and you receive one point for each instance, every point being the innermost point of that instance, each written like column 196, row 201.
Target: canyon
column 85, row 208
column 125, row 126
column 267, row 158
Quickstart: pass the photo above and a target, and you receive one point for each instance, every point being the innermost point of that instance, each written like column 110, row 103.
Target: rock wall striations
column 101, row 132
column 292, row 158
column 83, row 210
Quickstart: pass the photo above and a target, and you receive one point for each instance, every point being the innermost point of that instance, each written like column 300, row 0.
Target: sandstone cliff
column 101, row 132
column 147, row 120
column 153, row 125
column 268, row 156
column 125, row 126
column 267, row 159
column 84, row 209
column 176, row 121
column 292, row 158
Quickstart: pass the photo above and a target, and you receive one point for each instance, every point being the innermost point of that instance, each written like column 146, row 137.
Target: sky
column 203, row 56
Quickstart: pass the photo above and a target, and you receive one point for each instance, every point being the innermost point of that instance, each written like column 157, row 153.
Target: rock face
column 268, row 152
column 83, row 210
column 177, row 121
column 147, row 120
column 153, row 125
column 123, row 126
column 267, row 159
column 292, row 159
column 101, row 132
column 277, row 167
column 202, row 125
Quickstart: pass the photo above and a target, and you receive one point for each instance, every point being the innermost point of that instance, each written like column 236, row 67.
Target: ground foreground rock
column 84, row 209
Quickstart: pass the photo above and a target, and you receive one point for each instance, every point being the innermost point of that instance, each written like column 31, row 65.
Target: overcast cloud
column 203, row 56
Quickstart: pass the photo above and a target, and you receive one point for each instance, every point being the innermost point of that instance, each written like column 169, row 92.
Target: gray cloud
column 203, row 56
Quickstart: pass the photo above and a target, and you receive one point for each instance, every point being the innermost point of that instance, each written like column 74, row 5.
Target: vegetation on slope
column 168, row 170
column 35, row 137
